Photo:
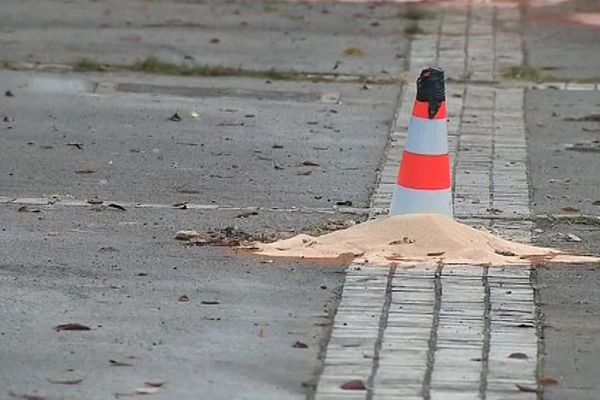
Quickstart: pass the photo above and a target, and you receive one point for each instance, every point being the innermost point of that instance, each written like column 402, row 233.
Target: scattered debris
column 8, row 119
column 547, row 382
column 194, row 115
column 95, row 201
column 569, row 237
column 72, row 327
column 175, row 117
column 300, row 345
column 355, row 384
column 108, row 249
column 354, row 52
column 79, row 146
column 26, row 396
column 26, row 208
column 436, row 254
column 347, row 203
column 247, row 213
column 304, row 172
column 117, row 363
column 518, row 356
column 592, row 147
column 310, row 164
column 117, row 206
column 183, row 299
column 210, row 302
column 215, row 40
column 277, row 146
column 526, row 389
column 586, row 118
column 84, row 171
column 65, row 381
column 188, row 191
column 8, row 93
column 570, row 209
column 155, row 384
column 187, row 235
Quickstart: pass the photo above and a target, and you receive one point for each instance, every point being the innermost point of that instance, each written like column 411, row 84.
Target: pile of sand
column 415, row 239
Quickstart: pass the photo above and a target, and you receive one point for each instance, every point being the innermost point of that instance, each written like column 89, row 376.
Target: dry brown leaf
column 183, row 299
column 65, row 381
column 547, row 382
column 526, row 389
column 435, row 254
column 518, row 356
column 570, row 209
column 117, row 363
column 148, row 390
column 72, row 327
column 300, row 345
column 155, row 384
column 354, row 52
column 355, row 384
column 85, row 171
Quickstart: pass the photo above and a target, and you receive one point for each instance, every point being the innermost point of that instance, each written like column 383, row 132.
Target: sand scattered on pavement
column 416, row 239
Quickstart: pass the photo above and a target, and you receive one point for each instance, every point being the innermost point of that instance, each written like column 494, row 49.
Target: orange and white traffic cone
column 424, row 185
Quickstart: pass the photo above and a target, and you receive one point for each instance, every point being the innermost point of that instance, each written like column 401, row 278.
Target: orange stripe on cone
column 425, row 172
column 421, row 110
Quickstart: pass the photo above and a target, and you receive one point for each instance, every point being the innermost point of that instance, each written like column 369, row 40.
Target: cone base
column 414, row 201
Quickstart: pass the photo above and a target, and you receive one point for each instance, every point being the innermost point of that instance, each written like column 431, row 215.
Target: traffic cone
column 424, row 185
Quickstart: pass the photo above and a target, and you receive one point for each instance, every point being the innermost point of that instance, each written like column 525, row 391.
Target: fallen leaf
column 435, row 254
column 247, row 214
column 28, row 209
column 117, row 206
column 95, row 200
column 300, row 345
column 572, row 238
column 117, row 363
column 504, row 253
column 78, row 145
column 194, row 115
column 310, row 164
column 65, row 381
column 404, row 240
column 354, row 52
column 148, row 390
column 355, row 384
column 527, row 389
column 107, row 249
column 277, row 146
column 518, row 356
column 344, row 203
column 570, row 209
column 186, row 235
column 183, row 299
column 72, row 327
column 26, row 396
column 188, row 191
column 210, row 302
column 547, row 382
column 175, row 117
column 155, row 384
column 304, row 173
column 85, row 171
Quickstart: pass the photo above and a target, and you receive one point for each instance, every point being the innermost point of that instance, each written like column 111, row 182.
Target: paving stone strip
column 461, row 331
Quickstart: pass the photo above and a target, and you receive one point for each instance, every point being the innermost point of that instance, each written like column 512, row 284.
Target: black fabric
column 431, row 88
